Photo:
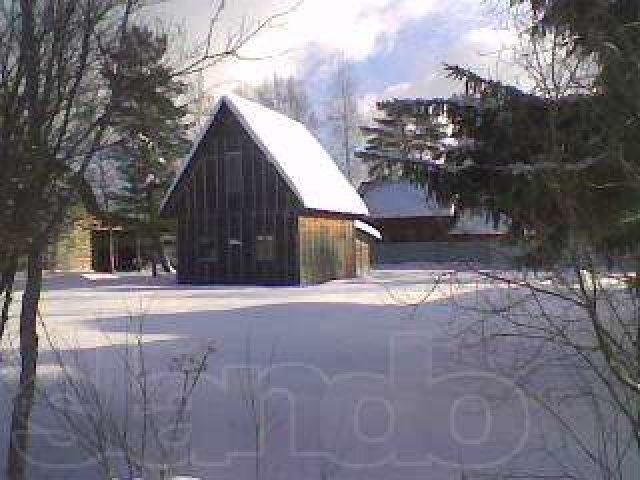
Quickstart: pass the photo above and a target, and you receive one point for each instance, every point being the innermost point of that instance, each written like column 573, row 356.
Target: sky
column 396, row 47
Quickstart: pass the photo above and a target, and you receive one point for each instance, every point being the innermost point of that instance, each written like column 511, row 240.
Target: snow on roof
column 306, row 167
column 368, row 229
column 402, row 199
column 477, row 224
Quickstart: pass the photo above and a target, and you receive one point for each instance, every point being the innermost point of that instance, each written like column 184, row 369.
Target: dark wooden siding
column 327, row 249
column 237, row 216
column 415, row 229
column 425, row 229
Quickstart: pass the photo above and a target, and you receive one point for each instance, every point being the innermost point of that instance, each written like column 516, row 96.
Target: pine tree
column 153, row 132
column 404, row 139
column 564, row 167
column 559, row 167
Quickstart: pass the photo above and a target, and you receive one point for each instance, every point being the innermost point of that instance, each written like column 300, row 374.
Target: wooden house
column 404, row 212
column 417, row 229
column 72, row 248
column 259, row 201
column 93, row 242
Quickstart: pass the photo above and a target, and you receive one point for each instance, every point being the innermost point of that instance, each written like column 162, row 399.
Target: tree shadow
column 324, row 358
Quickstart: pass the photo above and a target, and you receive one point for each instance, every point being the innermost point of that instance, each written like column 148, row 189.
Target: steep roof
column 401, row 199
column 306, row 167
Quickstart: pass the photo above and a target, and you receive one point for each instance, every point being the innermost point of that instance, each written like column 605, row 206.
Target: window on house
column 207, row 249
column 265, row 248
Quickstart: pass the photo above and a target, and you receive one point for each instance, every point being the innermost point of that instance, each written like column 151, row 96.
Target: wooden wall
column 419, row 229
column 237, row 218
column 71, row 251
column 327, row 249
column 363, row 252
column 240, row 223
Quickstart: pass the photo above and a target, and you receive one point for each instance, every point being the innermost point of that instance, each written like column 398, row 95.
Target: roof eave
column 164, row 206
column 333, row 214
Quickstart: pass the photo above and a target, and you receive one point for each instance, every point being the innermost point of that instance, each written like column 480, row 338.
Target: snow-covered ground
column 362, row 379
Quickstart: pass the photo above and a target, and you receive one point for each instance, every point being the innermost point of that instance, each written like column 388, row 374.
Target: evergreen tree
column 567, row 167
column 531, row 159
column 564, row 166
column 152, row 128
column 404, row 139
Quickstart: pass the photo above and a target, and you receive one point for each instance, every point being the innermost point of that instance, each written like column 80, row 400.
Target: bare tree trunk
column 23, row 402
column 347, row 128
column 160, row 254
column 154, row 236
column 346, row 112
column 154, row 266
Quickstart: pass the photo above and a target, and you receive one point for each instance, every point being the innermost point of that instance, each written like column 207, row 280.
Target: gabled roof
column 401, row 199
column 306, row 167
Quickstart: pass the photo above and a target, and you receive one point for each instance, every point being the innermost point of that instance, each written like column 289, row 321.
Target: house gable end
column 232, row 171
column 301, row 161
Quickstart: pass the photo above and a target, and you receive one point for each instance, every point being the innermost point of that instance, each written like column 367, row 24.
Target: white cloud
column 397, row 90
column 359, row 29
column 486, row 51
column 356, row 28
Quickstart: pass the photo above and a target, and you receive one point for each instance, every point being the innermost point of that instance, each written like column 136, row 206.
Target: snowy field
column 363, row 379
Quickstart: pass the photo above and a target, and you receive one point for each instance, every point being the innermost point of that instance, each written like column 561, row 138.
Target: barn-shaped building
column 259, row 201
column 404, row 211
column 418, row 229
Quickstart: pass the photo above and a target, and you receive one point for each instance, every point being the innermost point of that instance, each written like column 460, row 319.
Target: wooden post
column 138, row 251
column 112, row 253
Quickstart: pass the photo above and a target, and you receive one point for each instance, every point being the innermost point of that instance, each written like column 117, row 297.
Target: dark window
column 207, row 249
column 265, row 248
